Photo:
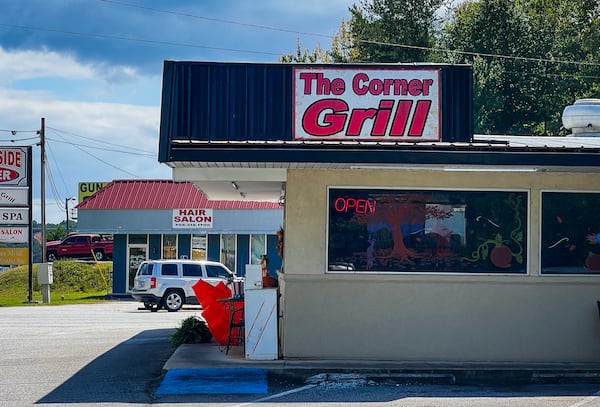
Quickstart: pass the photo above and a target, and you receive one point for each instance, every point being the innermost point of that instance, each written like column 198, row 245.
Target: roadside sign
column 88, row 189
column 14, row 196
column 14, row 216
column 17, row 256
column 13, row 166
column 14, row 234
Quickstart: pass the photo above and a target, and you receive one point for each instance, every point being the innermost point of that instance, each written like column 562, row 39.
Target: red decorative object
column 592, row 262
column 501, row 256
column 216, row 314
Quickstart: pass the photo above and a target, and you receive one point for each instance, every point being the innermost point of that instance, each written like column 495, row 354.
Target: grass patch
column 74, row 282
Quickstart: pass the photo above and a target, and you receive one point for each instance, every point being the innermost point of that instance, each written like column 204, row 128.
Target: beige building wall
column 430, row 317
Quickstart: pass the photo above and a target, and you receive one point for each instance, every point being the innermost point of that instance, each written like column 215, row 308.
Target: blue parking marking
column 214, row 381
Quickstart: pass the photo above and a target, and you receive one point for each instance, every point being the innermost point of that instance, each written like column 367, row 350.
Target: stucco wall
column 430, row 316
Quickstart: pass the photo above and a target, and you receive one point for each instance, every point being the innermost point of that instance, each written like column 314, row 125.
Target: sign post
column 16, row 220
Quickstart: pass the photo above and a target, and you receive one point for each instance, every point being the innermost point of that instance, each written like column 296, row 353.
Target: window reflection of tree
column 420, row 230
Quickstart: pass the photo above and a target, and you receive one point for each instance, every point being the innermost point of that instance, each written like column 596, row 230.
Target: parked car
column 168, row 283
column 80, row 245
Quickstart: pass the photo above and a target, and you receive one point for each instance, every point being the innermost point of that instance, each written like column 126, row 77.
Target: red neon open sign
column 356, row 205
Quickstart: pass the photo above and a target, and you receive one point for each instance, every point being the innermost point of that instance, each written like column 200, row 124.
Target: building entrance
column 135, row 255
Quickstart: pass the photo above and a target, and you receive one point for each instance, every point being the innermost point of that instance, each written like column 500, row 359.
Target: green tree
column 530, row 58
column 526, row 56
column 55, row 232
column 305, row 56
column 391, row 31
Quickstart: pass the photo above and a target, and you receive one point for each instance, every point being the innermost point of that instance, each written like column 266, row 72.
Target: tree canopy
column 530, row 58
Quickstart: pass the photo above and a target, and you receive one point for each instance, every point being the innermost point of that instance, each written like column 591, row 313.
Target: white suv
column 168, row 283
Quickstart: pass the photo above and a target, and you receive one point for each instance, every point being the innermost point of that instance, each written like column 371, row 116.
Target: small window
column 228, row 252
column 138, row 239
column 258, row 247
column 169, row 270
column 192, row 270
column 169, row 246
column 217, row 271
column 199, row 247
column 81, row 240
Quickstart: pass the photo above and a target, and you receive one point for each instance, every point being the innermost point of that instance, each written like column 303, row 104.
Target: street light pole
column 67, row 211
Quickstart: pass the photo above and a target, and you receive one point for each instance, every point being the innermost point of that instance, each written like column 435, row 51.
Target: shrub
column 80, row 276
column 191, row 330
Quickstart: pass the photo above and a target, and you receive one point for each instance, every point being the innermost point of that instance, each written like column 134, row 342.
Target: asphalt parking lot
column 113, row 354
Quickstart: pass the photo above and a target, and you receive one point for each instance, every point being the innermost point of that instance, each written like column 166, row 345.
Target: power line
column 14, row 132
column 53, row 188
column 116, row 37
column 148, row 155
column 372, row 42
column 218, row 20
column 18, row 140
column 82, row 149
column 103, row 142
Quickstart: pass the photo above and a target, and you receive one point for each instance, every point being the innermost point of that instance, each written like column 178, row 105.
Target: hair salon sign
column 192, row 218
column 367, row 104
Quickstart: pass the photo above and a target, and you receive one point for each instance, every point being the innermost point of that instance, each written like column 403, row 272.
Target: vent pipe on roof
column 583, row 118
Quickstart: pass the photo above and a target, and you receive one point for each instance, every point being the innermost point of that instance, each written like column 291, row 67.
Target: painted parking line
column 214, row 381
column 276, row 396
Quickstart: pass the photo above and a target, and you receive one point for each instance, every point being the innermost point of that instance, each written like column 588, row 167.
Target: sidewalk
column 210, row 356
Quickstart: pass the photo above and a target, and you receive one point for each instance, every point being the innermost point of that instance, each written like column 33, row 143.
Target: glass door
column 135, row 255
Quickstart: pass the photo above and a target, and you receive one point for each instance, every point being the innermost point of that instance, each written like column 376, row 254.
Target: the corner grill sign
column 367, row 104
column 192, row 218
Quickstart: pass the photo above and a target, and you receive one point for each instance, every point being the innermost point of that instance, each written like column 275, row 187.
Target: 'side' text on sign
column 192, row 218
column 367, row 104
column 13, row 166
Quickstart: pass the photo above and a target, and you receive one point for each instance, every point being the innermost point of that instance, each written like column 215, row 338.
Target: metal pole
column 43, row 187
column 30, row 221
column 67, row 211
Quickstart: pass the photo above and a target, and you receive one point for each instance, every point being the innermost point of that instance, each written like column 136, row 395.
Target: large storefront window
column 169, row 246
column 199, row 247
column 228, row 251
column 381, row 230
column 570, row 233
column 258, row 247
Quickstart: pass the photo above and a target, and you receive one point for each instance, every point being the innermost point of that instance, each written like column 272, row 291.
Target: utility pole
column 67, row 211
column 43, row 187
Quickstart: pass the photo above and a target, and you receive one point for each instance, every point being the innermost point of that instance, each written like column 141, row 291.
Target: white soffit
column 235, row 184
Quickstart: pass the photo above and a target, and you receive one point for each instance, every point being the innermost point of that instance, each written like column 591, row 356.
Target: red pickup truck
column 80, row 245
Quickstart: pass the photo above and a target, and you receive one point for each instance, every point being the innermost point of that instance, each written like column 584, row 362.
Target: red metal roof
column 160, row 194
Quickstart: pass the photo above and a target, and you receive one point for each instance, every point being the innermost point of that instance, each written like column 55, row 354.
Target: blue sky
column 93, row 70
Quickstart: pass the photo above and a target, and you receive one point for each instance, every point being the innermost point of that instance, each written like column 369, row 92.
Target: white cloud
column 87, row 133
column 28, row 64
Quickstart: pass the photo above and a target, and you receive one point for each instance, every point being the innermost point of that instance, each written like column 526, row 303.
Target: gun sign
column 367, row 104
